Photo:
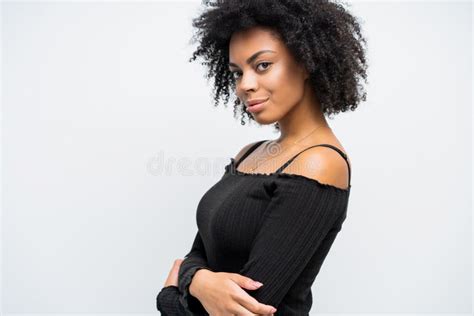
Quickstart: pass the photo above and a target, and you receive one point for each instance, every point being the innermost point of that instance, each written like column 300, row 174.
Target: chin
column 262, row 120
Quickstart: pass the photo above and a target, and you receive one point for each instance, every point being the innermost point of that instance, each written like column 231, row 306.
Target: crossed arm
column 177, row 300
column 297, row 220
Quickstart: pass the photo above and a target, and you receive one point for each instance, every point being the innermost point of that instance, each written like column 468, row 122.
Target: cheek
column 285, row 89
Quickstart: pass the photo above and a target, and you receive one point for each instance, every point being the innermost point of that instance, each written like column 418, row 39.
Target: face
column 264, row 69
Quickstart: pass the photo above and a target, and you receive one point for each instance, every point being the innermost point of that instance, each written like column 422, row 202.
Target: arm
column 296, row 221
column 196, row 259
column 177, row 300
column 167, row 302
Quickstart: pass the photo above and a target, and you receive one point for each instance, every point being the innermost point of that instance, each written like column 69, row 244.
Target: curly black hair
column 321, row 34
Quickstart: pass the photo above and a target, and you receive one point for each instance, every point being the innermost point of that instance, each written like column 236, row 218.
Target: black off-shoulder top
column 275, row 228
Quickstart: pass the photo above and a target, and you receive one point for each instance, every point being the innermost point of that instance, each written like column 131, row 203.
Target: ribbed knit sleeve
column 167, row 302
column 178, row 301
column 196, row 259
column 295, row 222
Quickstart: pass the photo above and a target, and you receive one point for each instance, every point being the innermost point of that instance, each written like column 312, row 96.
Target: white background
column 98, row 96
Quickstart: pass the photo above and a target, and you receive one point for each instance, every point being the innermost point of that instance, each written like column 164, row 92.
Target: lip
column 255, row 101
column 256, row 105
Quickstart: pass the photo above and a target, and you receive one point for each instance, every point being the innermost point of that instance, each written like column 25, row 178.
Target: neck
column 302, row 119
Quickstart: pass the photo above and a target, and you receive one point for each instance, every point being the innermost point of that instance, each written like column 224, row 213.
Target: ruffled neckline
column 231, row 168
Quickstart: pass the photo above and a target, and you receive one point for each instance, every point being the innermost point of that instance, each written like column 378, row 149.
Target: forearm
column 196, row 287
column 177, row 300
column 190, row 286
column 194, row 261
column 167, row 302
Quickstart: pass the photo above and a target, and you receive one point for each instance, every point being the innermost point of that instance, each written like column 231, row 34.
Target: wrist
column 196, row 281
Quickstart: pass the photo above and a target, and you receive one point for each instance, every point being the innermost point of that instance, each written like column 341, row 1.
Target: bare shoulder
column 323, row 164
column 244, row 150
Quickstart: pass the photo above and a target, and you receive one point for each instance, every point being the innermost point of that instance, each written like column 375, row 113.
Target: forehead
column 246, row 42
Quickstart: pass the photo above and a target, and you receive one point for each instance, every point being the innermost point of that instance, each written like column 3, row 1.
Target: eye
column 239, row 73
column 264, row 63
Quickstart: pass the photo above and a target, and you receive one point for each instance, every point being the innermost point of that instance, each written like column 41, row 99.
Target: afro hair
column 320, row 34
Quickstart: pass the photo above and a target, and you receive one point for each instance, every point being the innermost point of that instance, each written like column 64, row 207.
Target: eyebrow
column 254, row 56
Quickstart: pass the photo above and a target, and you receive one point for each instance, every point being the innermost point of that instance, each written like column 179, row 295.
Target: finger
column 242, row 311
column 172, row 278
column 251, row 304
column 176, row 266
column 244, row 282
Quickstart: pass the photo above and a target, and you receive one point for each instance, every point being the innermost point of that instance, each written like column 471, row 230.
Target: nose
column 248, row 82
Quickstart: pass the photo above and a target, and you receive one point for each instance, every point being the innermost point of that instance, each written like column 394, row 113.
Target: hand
column 221, row 293
column 173, row 274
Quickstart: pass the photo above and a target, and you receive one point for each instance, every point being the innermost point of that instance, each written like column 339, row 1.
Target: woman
column 277, row 209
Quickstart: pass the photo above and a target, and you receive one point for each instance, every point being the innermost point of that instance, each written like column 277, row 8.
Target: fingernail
column 274, row 310
column 257, row 283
